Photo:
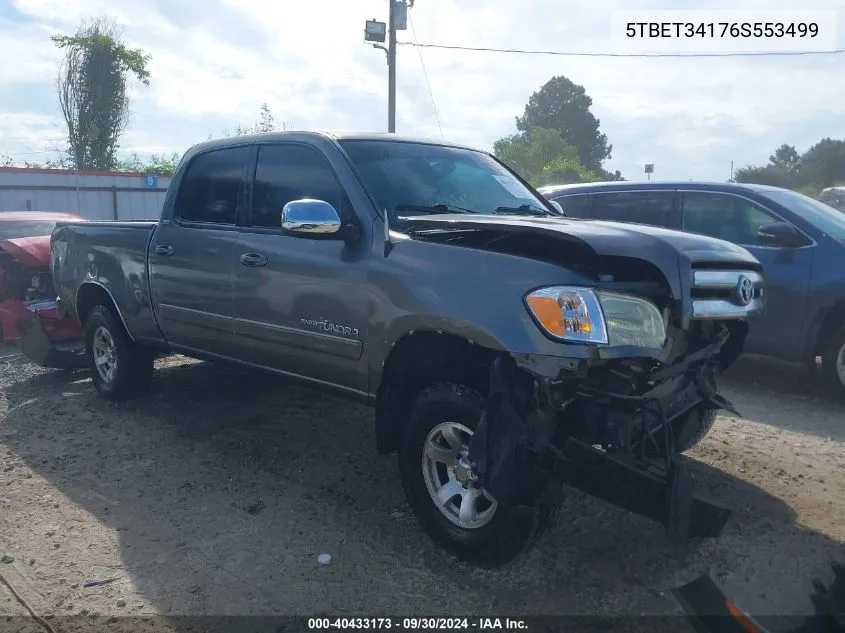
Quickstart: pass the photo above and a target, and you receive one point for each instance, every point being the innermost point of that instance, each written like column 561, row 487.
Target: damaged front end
column 611, row 423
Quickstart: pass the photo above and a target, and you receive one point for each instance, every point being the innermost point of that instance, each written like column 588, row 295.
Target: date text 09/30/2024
column 418, row 624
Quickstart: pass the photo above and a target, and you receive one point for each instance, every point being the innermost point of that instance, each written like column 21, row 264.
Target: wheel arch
column 92, row 293
column 420, row 358
column 826, row 322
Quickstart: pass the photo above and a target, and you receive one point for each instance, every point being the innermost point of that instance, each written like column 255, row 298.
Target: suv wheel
column 688, row 430
column 833, row 362
column 439, row 483
column 120, row 369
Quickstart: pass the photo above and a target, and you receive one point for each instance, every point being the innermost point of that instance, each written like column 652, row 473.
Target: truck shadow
column 804, row 405
column 222, row 486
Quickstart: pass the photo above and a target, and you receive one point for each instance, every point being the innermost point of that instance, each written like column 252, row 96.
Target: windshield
column 14, row 230
column 824, row 217
column 418, row 178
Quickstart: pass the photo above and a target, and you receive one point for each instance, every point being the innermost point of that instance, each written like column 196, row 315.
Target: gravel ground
column 215, row 494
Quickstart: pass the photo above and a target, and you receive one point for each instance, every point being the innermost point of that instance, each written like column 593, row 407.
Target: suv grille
column 726, row 294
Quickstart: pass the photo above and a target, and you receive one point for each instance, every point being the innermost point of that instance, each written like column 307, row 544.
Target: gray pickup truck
column 506, row 349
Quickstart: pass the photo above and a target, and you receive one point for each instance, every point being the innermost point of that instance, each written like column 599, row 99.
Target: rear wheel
column 120, row 368
column 833, row 362
column 441, row 488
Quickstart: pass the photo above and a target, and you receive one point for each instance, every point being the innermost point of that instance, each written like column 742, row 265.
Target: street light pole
column 391, row 68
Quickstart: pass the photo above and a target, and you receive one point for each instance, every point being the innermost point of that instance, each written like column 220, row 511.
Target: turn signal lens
column 569, row 313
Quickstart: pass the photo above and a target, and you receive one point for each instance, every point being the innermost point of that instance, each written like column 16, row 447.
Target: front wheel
column 440, row 485
column 120, row 368
column 833, row 362
column 688, row 429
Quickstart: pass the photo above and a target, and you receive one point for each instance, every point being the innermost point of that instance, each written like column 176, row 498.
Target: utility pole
column 375, row 33
column 391, row 67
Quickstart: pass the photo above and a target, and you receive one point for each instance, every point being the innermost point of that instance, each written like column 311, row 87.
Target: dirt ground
column 216, row 493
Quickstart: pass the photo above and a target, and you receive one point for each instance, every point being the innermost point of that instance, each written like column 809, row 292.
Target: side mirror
column 308, row 217
column 780, row 234
column 557, row 206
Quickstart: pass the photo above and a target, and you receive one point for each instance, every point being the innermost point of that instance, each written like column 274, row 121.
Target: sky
column 214, row 62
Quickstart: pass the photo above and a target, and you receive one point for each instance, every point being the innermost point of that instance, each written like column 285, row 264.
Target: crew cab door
column 190, row 256
column 300, row 300
column 787, row 269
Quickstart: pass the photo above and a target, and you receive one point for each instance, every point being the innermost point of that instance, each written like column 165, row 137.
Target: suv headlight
column 583, row 315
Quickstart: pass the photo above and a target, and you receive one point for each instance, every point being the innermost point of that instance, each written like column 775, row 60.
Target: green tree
column 565, row 106
column 542, row 157
column 773, row 175
column 92, row 92
column 823, row 164
column 265, row 123
column 786, row 157
column 155, row 164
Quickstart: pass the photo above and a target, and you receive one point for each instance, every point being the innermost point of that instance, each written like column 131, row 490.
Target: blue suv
column 799, row 241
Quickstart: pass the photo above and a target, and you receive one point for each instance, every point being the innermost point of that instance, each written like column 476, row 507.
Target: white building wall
column 93, row 195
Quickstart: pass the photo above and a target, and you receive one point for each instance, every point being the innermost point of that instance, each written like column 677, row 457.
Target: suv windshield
column 834, row 197
column 824, row 217
column 417, row 178
column 16, row 229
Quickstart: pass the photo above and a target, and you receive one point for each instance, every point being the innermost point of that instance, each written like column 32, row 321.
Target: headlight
column 582, row 315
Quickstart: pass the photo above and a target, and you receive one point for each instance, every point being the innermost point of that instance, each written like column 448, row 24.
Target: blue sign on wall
column 151, row 181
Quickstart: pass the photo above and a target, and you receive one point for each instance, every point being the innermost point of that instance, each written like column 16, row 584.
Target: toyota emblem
column 744, row 290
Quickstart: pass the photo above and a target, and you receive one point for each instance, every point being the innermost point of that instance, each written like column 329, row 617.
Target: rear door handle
column 164, row 250
column 253, row 259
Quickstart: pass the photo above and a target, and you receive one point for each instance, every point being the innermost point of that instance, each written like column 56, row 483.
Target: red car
column 28, row 312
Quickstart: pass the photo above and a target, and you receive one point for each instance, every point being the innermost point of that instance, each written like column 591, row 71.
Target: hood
column 30, row 251
column 638, row 241
column 674, row 253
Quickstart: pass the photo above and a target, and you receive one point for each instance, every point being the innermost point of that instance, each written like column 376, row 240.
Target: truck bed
column 115, row 253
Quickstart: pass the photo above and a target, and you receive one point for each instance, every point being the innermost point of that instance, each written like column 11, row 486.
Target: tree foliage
column 564, row 106
column 265, row 123
column 91, row 85
column 156, row 164
column 542, row 157
column 822, row 165
column 160, row 164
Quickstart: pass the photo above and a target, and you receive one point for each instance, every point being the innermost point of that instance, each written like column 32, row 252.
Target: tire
column 130, row 372
column 833, row 360
column 688, row 429
column 506, row 531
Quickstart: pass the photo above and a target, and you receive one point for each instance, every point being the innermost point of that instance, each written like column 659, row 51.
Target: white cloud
column 30, row 136
column 213, row 64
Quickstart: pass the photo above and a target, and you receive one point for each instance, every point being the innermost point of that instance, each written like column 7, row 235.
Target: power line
column 585, row 54
column 425, row 73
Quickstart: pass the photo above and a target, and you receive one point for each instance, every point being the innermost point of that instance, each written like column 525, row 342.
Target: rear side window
column 209, row 189
column 640, row 207
column 576, row 206
column 290, row 172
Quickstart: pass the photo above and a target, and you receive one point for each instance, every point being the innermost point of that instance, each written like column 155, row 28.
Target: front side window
column 724, row 216
column 639, row 207
column 403, row 174
column 208, row 192
column 290, row 172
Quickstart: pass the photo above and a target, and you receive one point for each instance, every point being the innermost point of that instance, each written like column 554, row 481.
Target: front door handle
column 164, row 250
column 253, row 259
